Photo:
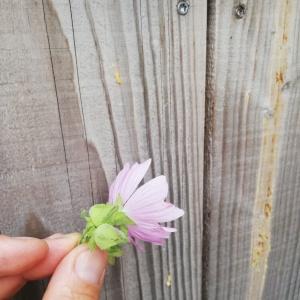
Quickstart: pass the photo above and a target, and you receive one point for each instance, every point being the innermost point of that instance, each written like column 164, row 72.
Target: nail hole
column 240, row 11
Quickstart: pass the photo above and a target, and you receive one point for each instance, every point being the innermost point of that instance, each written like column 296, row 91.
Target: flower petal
column 147, row 203
column 114, row 189
column 164, row 213
column 154, row 233
column 149, row 194
column 132, row 179
column 170, row 229
column 136, row 242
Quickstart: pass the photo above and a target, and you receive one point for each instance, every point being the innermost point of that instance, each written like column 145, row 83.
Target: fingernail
column 90, row 266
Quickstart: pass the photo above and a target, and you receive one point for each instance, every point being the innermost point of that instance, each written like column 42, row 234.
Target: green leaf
column 100, row 213
column 107, row 236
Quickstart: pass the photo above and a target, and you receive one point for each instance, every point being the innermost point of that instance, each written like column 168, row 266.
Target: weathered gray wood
column 44, row 171
column 85, row 87
column 252, row 139
column 140, row 117
column 43, row 152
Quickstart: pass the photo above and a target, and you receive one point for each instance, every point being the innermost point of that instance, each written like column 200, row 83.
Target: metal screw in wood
column 183, row 7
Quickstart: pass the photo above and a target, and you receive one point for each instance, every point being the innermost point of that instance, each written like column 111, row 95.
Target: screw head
column 183, row 7
column 240, row 11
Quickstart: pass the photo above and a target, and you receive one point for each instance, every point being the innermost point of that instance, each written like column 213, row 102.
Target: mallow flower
column 132, row 214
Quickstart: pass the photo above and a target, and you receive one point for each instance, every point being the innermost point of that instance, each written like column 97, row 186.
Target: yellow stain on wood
column 279, row 77
column 269, row 191
column 169, row 280
column 118, row 78
column 262, row 211
column 260, row 249
column 284, row 38
column 267, row 209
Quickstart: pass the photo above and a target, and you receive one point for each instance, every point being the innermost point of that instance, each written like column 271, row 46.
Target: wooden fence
column 211, row 96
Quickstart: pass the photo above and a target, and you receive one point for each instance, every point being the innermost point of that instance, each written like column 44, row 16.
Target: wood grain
column 85, row 87
column 252, row 184
column 140, row 117
column 42, row 143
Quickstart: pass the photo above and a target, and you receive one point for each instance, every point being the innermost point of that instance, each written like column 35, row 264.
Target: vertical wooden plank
column 115, row 81
column 251, row 112
column 141, row 75
column 36, row 157
column 45, row 177
column 61, row 47
column 282, row 276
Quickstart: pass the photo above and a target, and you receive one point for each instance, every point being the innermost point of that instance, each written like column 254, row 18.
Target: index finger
column 19, row 254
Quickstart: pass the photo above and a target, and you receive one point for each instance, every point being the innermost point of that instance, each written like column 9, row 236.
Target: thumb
column 79, row 276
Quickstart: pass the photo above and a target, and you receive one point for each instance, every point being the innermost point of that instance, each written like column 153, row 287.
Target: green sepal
column 124, row 229
column 84, row 214
column 101, row 213
column 88, row 231
column 107, row 236
column 106, row 228
column 118, row 202
column 92, row 244
column 120, row 218
column 111, row 260
column 116, row 251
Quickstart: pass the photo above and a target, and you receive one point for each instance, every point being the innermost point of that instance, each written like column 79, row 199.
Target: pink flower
column 144, row 205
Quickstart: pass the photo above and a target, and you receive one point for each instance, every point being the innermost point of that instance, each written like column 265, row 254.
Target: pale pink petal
column 146, row 206
column 132, row 179
column 114, row 189
column 155, row 235
column 149, row 194
column 158, row 215
column 136, row 242
column 170, row 229
column 147, row 203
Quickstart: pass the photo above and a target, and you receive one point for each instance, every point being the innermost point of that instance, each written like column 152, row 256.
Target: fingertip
column 59, row 246
column 19, row 254
column 81, row 273
column 90, row 265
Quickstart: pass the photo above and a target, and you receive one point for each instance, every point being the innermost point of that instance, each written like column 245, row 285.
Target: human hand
column 78, row 273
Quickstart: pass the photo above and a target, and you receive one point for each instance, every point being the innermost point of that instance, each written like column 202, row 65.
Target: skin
column 77, row 272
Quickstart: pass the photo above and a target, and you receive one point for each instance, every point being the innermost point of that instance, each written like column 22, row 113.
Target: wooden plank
column 283, row 278
column 252, row 185
column 45, row 178
column 159, row 61
column 40, row 170
column 125, row 81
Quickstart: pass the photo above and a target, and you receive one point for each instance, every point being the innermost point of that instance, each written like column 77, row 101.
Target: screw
column 240, row 11
column 183, row 7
